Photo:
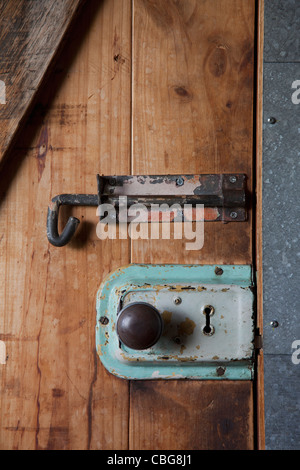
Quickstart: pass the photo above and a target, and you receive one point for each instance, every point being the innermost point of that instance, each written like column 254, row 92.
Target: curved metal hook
column 72, row 224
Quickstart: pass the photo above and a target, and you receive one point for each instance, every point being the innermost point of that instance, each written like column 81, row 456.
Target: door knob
column 139, row 325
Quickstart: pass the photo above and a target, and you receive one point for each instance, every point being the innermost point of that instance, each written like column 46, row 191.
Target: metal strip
column 281, row 227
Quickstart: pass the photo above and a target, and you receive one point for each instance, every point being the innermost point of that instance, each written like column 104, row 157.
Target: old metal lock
column 181, row 321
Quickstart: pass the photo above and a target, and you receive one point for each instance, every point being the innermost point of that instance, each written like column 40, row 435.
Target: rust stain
column 186, row 359
column 132, row 359
column 211, row 213
column 167, row 317
column 186, row 327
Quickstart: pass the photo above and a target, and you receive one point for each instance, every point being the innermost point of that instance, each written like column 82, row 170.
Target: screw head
column 220, row 371
column 177, row 340
column 233, row 215
column 104, row 320
column 179, row 181
column 177, row 300
column 112, row 181
column 274, row 323
column 218, row 271
column 232, row 179
column 272, row 120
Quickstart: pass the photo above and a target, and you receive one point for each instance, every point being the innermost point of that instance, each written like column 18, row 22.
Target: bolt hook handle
column 62, row 239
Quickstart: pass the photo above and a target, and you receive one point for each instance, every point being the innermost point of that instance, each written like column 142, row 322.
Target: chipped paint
column 171, row 358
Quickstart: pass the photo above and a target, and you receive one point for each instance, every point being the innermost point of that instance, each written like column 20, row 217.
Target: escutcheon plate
column 181, row 293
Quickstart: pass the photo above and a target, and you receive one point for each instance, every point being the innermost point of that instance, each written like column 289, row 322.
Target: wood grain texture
column 191, row 111
column 212, row 415
column 193, row 77
column 30, row 35
column 54, row 392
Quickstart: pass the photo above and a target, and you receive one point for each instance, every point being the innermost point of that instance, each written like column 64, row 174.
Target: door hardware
column 222, row 195
column 200, row 325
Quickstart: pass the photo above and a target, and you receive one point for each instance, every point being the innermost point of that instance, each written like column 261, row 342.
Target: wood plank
column 30, row 35
column 54, row 392
column 192, row 112
column 193, row 106
column 163, row 420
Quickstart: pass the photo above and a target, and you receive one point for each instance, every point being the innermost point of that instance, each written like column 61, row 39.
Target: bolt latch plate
column 222, row 195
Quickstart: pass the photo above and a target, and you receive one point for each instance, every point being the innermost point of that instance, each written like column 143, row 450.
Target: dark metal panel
column 282, row 26
column 281, row 209
column 282, row 379
column 281, row 223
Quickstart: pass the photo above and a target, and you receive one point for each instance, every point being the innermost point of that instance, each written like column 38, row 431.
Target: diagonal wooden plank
column 31, row 33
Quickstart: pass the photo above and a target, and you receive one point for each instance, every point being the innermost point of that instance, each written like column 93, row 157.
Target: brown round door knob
column 139, row 325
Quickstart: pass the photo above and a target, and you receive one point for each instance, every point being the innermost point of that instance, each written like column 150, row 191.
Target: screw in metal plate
column 218, row 271
column 104, row 320
column 112, row 181
column 177, row 340
column 274, row 323
column 233, row 215
column 220, row 371
column 232, row 179
column 177, row 300
column 179, row 181
column 272, row 120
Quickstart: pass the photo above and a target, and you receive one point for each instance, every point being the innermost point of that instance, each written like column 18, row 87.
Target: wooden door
column 141, row 87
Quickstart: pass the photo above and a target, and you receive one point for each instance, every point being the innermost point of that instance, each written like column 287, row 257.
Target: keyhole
column 208, row 329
